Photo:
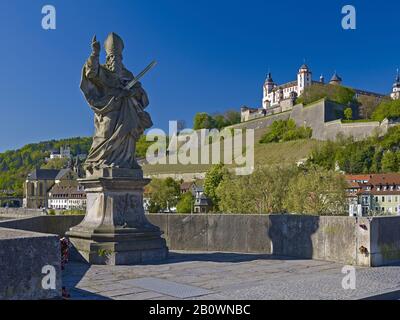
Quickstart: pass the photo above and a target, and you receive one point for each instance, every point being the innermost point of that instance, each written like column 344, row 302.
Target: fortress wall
column 322, row 117
column 263, row 122
column 358, row 130
column 311, row 116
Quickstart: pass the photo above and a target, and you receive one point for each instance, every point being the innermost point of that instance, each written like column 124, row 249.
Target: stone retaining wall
column 385, row 240
column 348, row 240
column 44, row 224
column 23, row 255
column 338, row 239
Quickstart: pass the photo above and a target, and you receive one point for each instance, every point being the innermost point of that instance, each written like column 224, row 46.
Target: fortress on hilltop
column 323, row 116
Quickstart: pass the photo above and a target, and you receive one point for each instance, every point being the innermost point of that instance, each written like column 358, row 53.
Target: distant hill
column 16, row 164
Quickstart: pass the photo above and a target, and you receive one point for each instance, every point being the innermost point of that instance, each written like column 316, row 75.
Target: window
column 383, row 199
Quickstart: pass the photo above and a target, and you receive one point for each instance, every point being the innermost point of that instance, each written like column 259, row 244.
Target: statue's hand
column 95, row 47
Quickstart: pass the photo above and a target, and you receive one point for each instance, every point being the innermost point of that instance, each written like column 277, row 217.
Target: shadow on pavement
column 71, row 277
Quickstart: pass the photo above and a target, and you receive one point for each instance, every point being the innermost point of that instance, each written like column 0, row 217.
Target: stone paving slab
column 167, row 287
column 228, row 276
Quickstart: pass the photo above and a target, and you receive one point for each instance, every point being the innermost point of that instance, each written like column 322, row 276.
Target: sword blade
column 140, row 75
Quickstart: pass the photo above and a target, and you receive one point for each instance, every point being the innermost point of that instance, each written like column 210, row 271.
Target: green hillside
column 264, row 154
column 16, row 164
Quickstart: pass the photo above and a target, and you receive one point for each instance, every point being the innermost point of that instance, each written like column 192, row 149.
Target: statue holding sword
column 118, row 101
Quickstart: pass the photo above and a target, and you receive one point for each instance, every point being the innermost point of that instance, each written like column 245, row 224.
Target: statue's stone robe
column 118, row 122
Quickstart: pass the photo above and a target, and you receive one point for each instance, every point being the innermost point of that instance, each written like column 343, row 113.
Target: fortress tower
column 304, row 78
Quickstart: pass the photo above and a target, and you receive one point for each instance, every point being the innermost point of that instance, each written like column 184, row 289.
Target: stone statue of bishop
column 120, row 118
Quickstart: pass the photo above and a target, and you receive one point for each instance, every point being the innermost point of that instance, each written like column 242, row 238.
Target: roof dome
column 269, row 78
column 336, row 78
column 304, row 66
column 397, row 80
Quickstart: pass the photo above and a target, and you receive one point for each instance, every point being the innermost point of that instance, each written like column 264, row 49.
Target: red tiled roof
column 374, row 181
column 385, row 179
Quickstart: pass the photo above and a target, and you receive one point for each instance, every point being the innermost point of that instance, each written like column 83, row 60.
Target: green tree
column 203, row 120
column 262, row 192
column 141, row 146
column 232, row 117
column 219, row 121
column 389, row 109
column 390, row 162
column 213, row 178
column 164, row 194
column 368, row 104
column 185, row 204
column 348, row 114
column 317, row 192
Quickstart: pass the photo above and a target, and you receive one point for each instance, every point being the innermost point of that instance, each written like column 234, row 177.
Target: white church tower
column 304, row 79
column 269, row 94
column 395, row 95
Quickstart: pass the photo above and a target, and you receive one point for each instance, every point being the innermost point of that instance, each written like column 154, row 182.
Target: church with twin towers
column 278, row 96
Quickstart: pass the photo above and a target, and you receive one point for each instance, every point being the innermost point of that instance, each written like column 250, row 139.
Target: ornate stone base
column 115, row 230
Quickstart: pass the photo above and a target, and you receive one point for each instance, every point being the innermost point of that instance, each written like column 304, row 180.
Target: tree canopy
column 373, row 155
column 203, row 120
column 389, row 109
column 164, row 194
column 278, row 190
column 285, row 130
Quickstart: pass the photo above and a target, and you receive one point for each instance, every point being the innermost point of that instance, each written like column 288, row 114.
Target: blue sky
column 213, row 55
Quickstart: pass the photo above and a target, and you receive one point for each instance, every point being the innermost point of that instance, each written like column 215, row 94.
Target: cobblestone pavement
column 228, row 276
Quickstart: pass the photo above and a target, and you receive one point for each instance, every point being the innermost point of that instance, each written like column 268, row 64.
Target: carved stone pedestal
column 115, row 230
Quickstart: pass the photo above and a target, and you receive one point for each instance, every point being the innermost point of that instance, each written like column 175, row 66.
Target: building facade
column 67, row 195
column 283, row 95
column 64, row 153
column 38, row 184
column 374, row 194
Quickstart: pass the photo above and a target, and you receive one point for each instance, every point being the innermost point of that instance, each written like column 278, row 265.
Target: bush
column 285, row 130
column 348, row 114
